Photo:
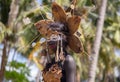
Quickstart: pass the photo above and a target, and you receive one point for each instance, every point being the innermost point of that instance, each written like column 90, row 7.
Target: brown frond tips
column 62, row 24
column 73, row 23
column 75, row 44
column 43, row 26
column 59, row 14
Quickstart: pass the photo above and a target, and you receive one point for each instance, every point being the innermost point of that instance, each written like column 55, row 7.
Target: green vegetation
column 17, row 31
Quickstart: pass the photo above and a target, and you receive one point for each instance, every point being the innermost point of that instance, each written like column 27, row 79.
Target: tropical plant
column 19, row 33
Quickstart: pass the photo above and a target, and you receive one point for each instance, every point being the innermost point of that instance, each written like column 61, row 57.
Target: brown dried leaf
column 73, row 24
column 54, row 74
column 75, row 44
column 43, row 26
column 58, row 13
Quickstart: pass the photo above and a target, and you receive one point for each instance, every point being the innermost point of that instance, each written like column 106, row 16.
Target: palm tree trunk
column 14, row 9
column 4, row 61
column 96, row 45
column 78, row 76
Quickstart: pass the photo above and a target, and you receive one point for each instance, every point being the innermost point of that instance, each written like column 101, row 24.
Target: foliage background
column 17, row 33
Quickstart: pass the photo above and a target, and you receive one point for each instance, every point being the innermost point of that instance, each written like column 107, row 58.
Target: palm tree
column 12, row 18
column 25, row 33
column 96, row 46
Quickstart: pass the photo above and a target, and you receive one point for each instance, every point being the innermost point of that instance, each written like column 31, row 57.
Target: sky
column 117, row 52
column 39, row 1
column 19, row 58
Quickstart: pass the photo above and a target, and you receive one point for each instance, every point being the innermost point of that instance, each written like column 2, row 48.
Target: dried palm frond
column 53, row 74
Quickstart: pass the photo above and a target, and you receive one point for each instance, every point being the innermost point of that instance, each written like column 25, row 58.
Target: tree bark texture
column 96, row 46
column 4, row 61
column 78, row 76
column 14, row 9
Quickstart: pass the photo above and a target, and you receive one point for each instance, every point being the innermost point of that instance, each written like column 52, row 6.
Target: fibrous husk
column 70, row 23
column 75, row 44
column 58, row 13
column 73, row 24
column 44, row 29
column 42, row 26
column 54, row 74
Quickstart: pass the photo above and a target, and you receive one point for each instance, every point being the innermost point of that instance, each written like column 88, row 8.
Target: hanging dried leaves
column 53, row 74
column 58, row 13
column 62, row 25
column 75, row 44
column 73, row 24
column 42, row 26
